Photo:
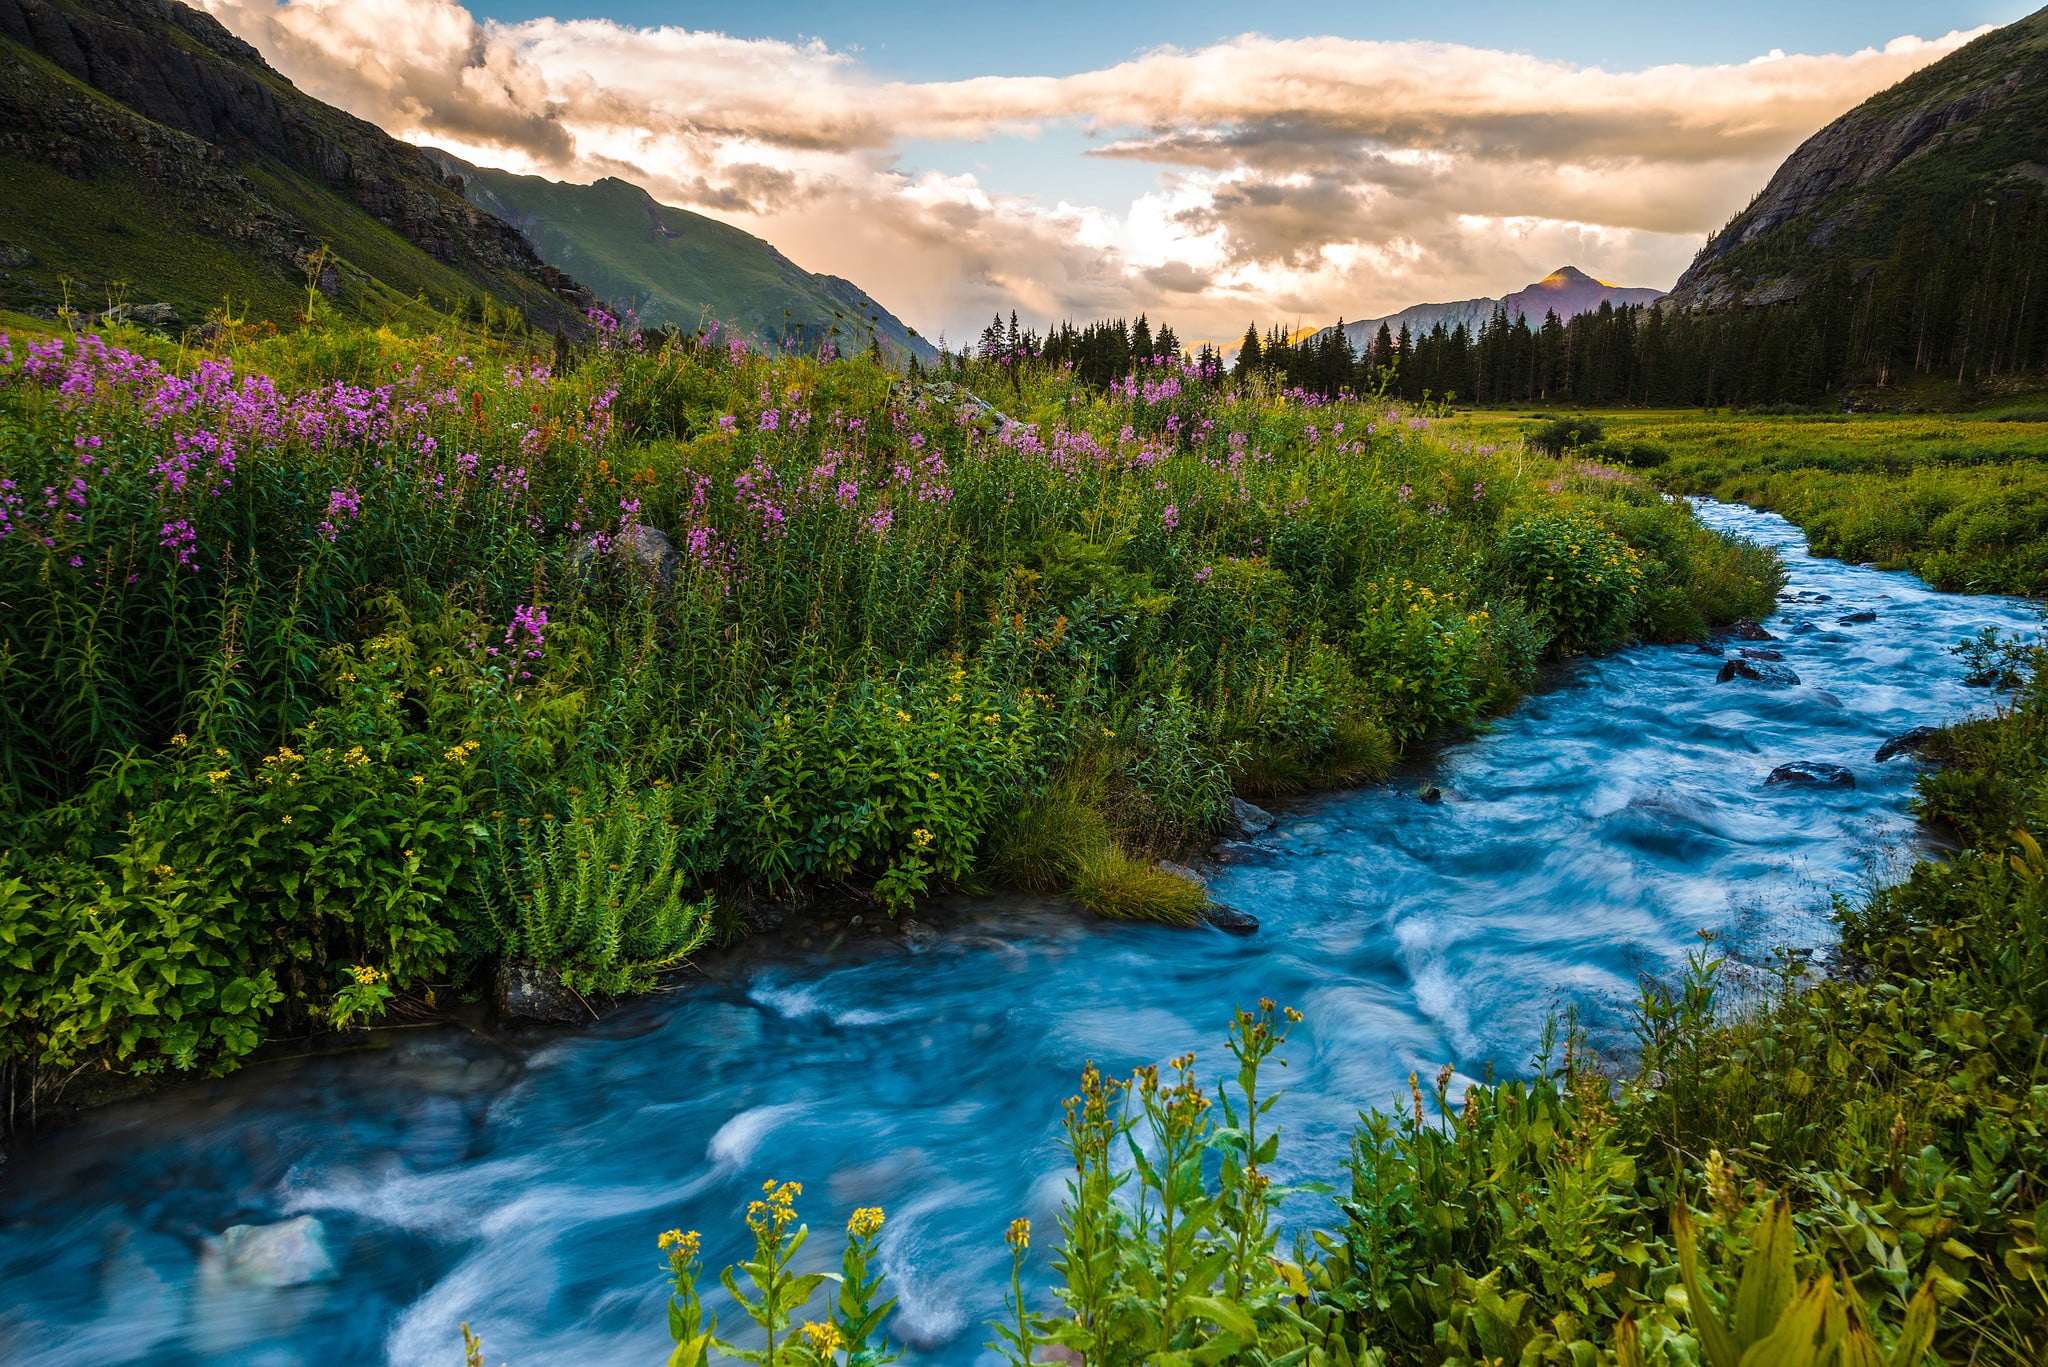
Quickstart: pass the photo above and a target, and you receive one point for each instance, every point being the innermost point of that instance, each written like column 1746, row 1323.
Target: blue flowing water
column 519, row 1184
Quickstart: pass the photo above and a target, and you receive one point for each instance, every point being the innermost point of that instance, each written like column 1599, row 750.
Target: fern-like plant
column 600, row 894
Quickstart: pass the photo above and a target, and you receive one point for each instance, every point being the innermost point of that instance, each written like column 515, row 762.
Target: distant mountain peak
column 1566, row 292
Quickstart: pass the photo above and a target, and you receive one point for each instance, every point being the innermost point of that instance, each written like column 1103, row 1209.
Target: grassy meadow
column 1960, row 499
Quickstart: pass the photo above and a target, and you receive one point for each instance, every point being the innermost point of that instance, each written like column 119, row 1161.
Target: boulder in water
column 1748, row 653
column 1236, row 851
column 291, row 1253
column 526, row 993
column 1757, row 671
column 1746, row 630
column 1850, row 619
column 1229, row 919
column 1248, row 819
column 1810, row 772
column 1907, row 742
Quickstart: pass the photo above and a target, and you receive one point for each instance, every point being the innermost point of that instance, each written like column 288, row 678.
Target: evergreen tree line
column 1962, row 294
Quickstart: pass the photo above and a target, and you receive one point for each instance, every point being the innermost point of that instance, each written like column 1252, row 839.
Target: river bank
column 1584, row 839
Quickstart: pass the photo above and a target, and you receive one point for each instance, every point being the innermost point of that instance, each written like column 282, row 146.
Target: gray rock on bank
column 645, row 552
column 534, row 995
column 1907, row 742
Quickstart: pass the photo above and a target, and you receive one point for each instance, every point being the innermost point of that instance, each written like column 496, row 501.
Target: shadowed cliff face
column 1971, row 128
column 149, row 98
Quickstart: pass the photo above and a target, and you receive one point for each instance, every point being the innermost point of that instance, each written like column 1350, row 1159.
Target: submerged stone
column 1757, row 671
column 1810, row 772
column 1229, row 919
column 291, row 1253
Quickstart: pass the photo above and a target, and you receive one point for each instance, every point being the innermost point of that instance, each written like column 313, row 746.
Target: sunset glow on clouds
column 1254, row 179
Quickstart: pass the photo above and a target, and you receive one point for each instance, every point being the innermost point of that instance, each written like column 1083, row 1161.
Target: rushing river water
column 519, row 1185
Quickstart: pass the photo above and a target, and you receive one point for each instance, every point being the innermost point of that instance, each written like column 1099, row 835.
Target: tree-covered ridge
column 1963, row 139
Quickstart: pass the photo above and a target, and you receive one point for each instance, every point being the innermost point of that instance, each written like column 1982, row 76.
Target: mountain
column 1942, row 152
column 146, row 152
column 1566, row 291
column 673, row 266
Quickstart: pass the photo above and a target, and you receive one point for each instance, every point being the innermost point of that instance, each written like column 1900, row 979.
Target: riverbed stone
column 1758, row 671
column 1750, row 653
column 1746, row 630
column 1236, row 851
column 1229, row 919
column 1180, row 871
column 527, row 993
column 1248, row 818
column 1850, row 619
column 289, row 1253
column 1907, row 742
column 1813, row 773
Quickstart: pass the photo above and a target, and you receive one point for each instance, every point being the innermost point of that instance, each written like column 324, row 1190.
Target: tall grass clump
column 339, row 627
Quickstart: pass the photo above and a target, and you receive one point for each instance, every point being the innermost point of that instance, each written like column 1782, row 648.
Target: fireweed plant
column 333, row 665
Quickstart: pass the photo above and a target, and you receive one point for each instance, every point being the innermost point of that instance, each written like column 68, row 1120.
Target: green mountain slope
column 1951, row 162
column 148, row 154
column 671, row 266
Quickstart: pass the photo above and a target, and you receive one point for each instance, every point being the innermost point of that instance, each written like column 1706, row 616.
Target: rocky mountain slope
column 1566, row 291
column 1956, row 140
column 148, row 154
column 672, row 266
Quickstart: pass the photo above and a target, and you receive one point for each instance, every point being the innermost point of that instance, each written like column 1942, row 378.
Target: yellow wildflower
column 825, row 1340
column 865, row 1222
column 417, row 780
column 1019, row 1235
column 921, row 836
column 680, row 1244
column 365, row 974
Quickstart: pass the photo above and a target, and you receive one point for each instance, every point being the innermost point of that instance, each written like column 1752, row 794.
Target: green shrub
column 1577, row 575
column 1559, row 435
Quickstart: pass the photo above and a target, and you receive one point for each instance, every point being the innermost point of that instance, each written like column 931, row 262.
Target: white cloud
column 1276, row 180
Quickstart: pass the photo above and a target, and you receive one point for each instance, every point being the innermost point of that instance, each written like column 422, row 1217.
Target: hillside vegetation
column 152, row 157
column 673, row 268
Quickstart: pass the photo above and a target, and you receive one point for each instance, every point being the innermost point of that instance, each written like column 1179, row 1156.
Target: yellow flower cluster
column 366, row 975
column 216, row 775
column 865, row 1223
column 1019, row 1235
column 770, row 1217
column 921, row 837
column 355, row 757
column 285, row 755
column 456, row 754
column 680, row 1244
column 825, row 1339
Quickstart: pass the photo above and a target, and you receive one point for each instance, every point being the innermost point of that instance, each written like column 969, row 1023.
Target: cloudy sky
column 1210, row 165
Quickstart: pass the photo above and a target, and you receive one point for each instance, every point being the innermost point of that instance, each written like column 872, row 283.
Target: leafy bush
column 1576, row 574
column 1560, row 435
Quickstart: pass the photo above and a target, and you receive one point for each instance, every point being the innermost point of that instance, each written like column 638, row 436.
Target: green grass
column 1961, row 499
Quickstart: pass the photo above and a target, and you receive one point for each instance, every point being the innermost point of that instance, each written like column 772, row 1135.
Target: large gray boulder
column 1757, row 671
